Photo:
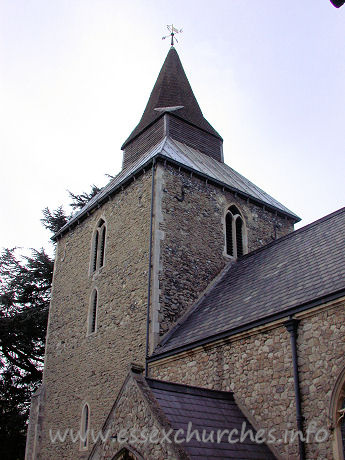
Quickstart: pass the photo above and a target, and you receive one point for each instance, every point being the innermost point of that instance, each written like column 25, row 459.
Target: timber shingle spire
column 172, row 110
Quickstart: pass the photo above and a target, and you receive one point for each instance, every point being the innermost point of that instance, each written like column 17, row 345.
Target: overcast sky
column 75, row 77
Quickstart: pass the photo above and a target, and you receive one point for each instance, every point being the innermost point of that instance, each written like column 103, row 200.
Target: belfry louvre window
column 239, row 236
column 85, row 421
column 229, row 242
column 98, row 247
column 92, row 323
column 234, row 233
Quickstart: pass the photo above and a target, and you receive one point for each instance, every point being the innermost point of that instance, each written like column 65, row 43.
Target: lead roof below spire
column 172, row 94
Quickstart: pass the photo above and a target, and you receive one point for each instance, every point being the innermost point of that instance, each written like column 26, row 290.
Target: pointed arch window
column 92, row 322
column 235, row 233
column 84, row 428
column 98, row 247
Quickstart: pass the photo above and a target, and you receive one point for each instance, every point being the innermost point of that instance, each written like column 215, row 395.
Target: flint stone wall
column 257, row 367
column 191, row 229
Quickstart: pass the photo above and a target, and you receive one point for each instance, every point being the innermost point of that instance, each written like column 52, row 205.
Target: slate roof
column 210, row 410
column 172, row 89
column 193, row 160
column 295, row 270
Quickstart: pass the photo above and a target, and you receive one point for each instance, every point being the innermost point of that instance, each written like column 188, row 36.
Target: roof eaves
column 97, row 203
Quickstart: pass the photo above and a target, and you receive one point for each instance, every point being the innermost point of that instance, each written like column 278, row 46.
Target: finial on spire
column 173, row 31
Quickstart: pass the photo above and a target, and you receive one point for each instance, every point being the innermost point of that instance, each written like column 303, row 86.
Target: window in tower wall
column 92, row 323
column 235, row 236
column 98, row 247
column 85, row 423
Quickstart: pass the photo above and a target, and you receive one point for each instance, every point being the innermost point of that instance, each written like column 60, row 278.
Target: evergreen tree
column 79, row 201
column 25, row 284
column 54, row 220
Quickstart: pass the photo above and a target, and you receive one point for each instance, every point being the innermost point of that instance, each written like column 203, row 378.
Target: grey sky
column 75, row 76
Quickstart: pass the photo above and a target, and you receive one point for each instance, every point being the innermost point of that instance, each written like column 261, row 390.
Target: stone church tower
column 138, row 256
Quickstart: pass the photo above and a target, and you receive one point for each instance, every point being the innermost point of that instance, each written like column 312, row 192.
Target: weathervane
column 173, row 31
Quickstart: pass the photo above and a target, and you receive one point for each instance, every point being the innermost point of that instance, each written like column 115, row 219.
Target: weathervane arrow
column 173, row 31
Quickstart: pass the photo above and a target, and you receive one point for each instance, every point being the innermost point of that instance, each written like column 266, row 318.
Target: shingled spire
column 172, row 110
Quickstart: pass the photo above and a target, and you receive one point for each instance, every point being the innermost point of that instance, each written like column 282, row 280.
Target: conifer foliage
column 25, row 283
column 79, row 201
column 54, row 220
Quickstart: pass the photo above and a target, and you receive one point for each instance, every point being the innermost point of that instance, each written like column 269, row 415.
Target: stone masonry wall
column 192, row 249
column 133, row 414
column 33, row 436
column 83, row 368
column 321, row 346
column 258, row 368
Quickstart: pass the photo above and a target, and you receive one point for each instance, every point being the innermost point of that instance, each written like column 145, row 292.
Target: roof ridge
column 179, row 387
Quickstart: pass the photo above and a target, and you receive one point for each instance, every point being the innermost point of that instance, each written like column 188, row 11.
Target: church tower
column 138, row 256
